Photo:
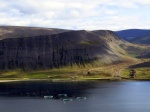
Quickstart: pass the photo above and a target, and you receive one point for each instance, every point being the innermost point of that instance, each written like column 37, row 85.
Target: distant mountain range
column 139, row 36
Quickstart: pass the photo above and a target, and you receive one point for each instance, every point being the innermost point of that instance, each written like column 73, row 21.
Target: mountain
column 131, row 34
column 38, row 48
column 145, row 39
column 20, row 31
column 138, row 36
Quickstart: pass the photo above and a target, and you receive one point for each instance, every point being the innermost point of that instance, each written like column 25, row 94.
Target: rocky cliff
column 61, row 49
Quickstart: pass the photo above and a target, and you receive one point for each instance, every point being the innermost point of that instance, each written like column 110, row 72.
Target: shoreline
column 17, row 80
column 70, row 80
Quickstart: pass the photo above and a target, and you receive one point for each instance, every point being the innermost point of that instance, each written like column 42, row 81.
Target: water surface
column 101, row 96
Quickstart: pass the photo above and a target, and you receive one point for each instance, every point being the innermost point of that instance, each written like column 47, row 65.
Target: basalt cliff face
column 64, row 48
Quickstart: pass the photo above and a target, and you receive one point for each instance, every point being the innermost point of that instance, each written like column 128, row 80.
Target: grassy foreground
column 54, row 74
column 114, row 71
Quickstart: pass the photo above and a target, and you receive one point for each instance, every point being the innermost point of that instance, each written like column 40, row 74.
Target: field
column 114, row 71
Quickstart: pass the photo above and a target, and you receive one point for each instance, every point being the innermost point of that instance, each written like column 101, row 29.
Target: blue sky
column 77, row 14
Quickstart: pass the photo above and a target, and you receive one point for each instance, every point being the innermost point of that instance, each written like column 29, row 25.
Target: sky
column 76, row 14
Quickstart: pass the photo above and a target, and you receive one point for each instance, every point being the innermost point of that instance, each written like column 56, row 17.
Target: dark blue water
column 101, row 96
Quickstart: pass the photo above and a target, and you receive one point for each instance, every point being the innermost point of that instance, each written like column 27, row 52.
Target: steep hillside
column 19, row 31
column 62, row 49
column 141, row 65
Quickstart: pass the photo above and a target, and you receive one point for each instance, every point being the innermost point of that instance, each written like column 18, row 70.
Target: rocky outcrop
column 54, row 51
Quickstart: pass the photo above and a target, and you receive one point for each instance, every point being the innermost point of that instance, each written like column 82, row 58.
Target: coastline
column 73, row 80
column 17, row 80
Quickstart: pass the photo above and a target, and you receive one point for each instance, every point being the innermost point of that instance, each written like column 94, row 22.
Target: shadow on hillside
column 145, row 64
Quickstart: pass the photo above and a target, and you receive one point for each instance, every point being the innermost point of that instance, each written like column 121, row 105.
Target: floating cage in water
column 81, row 98
column 62, row 95
column 48, row 97
column 67, row 99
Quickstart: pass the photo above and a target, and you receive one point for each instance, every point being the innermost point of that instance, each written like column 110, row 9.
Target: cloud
column 78, row 14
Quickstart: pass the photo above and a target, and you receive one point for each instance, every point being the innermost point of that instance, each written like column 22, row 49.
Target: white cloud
column 78, row 14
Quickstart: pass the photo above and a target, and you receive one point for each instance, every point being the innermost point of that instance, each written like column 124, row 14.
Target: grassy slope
column 90, row 71
column 93, row 70
column 76, row 73
column 136, row 50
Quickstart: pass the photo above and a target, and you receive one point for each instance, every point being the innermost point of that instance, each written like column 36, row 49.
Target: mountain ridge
column 21, row 31
column 60, row 49
column 138, row 36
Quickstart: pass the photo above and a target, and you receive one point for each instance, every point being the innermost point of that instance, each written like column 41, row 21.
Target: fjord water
column 101, row 96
